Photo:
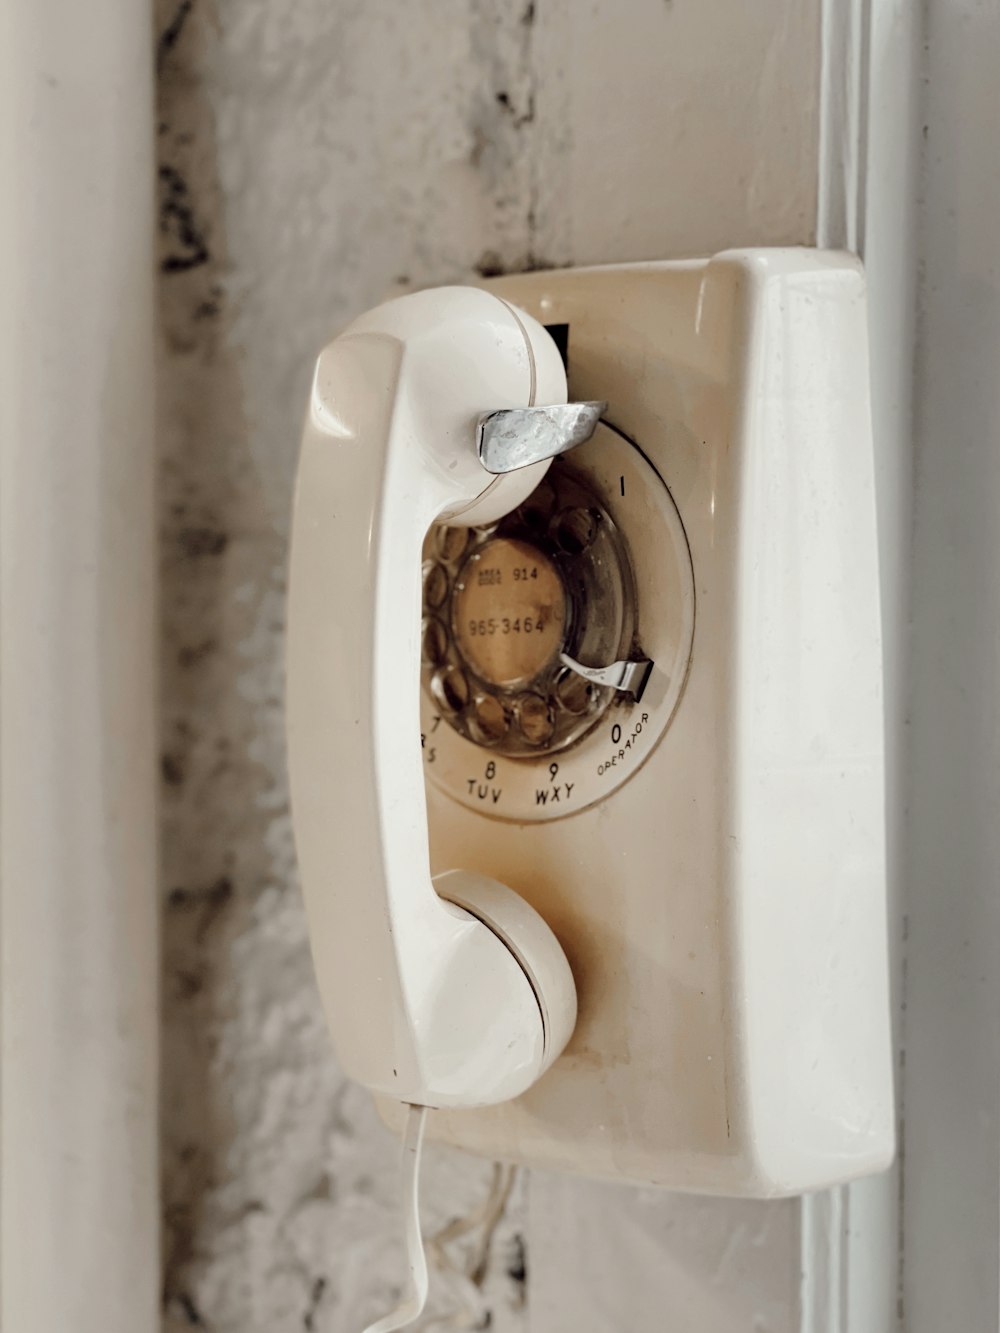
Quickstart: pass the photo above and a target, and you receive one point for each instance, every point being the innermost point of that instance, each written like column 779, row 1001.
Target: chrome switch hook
column 516, row 437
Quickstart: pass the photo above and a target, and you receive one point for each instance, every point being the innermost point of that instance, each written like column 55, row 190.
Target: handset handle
column 425, row 1001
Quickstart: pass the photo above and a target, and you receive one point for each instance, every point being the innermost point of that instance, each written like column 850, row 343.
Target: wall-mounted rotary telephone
column 616, row 685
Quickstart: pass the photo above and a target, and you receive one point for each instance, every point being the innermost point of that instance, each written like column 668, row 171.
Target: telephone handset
column 451, row 992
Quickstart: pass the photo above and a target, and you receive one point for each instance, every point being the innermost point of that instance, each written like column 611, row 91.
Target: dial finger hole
column 451, row 543
column 435, row 641
column 488, row 721
column 536, row 511
column 575, row 529
column 450, row 688
column 573, row 693
column 535, row 719
column 435, row 587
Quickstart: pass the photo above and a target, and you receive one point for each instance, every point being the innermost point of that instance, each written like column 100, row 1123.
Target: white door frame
column 79, row 1198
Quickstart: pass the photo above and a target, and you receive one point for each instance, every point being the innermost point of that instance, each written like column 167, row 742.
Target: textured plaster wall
column 313, row 155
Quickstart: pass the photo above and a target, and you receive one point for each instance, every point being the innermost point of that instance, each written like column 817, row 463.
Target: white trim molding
column 842, row 110
column 822, row 1233
column 866, row 202
column 78, row 968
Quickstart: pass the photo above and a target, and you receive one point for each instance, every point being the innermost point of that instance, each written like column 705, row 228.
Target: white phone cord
column 411, row 1306
column 465, row 1274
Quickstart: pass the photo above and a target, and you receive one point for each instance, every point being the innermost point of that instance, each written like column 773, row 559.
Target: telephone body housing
column 723, row 907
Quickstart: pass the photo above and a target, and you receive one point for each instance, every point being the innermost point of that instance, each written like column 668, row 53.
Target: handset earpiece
column 456, row 992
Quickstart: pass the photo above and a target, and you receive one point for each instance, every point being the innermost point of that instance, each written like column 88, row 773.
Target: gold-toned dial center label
column 509, row 611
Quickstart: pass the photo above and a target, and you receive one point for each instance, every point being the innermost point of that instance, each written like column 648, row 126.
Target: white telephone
column 643, row 683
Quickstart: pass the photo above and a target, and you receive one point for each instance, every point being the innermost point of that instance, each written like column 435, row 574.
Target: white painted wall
column 314, row 154
column 951, row 1177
